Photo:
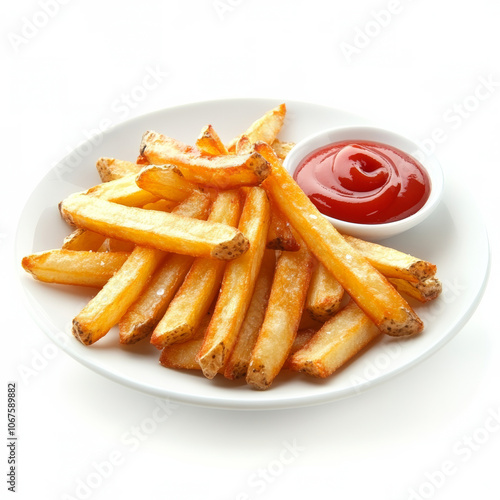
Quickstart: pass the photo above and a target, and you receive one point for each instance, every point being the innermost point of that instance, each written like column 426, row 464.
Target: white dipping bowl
column 373, row 232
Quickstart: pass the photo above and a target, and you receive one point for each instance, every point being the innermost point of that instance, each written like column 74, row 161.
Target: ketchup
column 364, row 182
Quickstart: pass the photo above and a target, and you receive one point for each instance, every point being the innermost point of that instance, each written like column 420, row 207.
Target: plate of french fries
column 175, row 254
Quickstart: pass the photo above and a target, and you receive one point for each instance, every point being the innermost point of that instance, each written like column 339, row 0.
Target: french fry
column 209, row 142
column 265, row 128
column 237, row 364
column 338, row 340
column 82, row 239
column 182, row 356
column 393, row 263
column 280, row 235
column 107, row 307
column 110, row 169
column 124, row 191
column 114, row 245
column 281, row 149
column 282, row 317
column 325, row 294
column 220, row 172
column 150, row 228
column 237, row 285
column 74, row 267
column 201, row 285
column 423, row 291
column 366, row 286
column 161, row 205
column 165, row 181
column 144, row 314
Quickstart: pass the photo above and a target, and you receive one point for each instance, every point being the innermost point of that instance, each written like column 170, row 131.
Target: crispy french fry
column 182, row 356
column 243, row 145
column 161, row 205
column 150, row 228
column 114, row 245
column 301, row 339
column 339, row 339
column 237, row 285
column 201, row 285
column 265, row 128
column 124, row 191
column 367, row 287
column 282, row 317
column 423, row 291
column 281, row 148
column 74, row 267
column 110, row 169
column 165, row 181
column 325, row 294
column 107, row 307
column 391, row 262
column 82, row 239
column 237, row 364
column 209, row 142
column 280, row 235
column 221, row 171
column 143, row 315
column 122, row 290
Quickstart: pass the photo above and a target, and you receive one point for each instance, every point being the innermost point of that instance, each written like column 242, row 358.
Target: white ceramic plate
column 449, row 238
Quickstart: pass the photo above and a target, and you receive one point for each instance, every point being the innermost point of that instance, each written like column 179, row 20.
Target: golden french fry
column 281, row 148
column 338, row 340
column 161, row 205
column 124, row 191
column 107, row 307
column 221, row 171
column 110, row 169
column 282, row 317
column 325, row 294
column 74, row 267
column 237, row 285
column 423, row 291
column 201, row 285
column 114, row 245
column 301, row 339
column 182, row 356
column 366, row 286
column 165, row 181
column 265, row 128
column 243, row 145
column 82, row 239
column 280, row 235
column 143, row 315
column 237, row 364
column 391, row 262
column 150, row 228
column 209, row 142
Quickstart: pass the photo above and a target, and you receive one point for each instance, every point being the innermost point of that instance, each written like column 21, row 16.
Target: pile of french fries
column 214, row 254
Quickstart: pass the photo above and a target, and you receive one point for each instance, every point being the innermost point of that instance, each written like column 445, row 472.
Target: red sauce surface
column 364, row 182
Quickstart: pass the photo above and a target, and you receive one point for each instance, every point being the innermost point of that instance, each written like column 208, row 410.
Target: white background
column 409, row 65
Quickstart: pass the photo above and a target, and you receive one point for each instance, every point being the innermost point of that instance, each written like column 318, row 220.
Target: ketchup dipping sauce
column 363, row 182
